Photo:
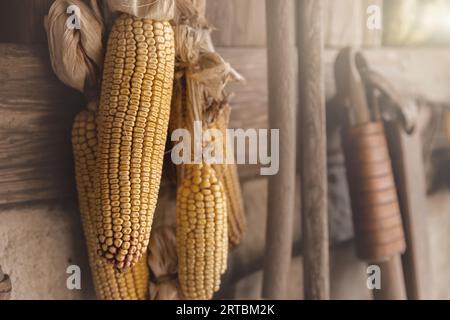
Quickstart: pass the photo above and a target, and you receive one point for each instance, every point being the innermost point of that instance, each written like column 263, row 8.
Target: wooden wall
column 21, row 20
column 36, row 158
column 241, row 23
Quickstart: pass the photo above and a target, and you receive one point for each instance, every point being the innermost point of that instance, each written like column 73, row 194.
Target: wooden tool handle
column 376, row 212
column 392, row 280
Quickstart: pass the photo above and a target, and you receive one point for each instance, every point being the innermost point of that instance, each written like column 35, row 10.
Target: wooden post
column 22, row 21
column 282, row 114
column 313, row 143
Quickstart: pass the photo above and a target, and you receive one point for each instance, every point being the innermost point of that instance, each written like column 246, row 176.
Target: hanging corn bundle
column 132, row 124
column 136, row 94
column 207, row 70
column 202, row 205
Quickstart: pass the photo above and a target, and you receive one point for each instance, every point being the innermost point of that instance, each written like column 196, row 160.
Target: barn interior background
column 40, row 228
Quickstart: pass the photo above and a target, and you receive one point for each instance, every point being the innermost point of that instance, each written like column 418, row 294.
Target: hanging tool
column 400, row 115
column 376, row 213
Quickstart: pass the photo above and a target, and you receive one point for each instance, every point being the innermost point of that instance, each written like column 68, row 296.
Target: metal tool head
column 350, row 87
column 368, row 95
column 395, row 106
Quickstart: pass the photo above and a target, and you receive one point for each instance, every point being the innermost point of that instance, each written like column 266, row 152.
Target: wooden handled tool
column 405, row 148
column 376, row 212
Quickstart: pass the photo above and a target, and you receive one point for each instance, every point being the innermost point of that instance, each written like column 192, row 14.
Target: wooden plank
column 36, row 110
column 405, row 68
column 241, row 23
column 372, row 37
column 22, row 21
column 343, row 23
column 238, row 22
column 36, row 113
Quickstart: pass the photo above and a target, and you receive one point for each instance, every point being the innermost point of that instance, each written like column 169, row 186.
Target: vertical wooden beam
column 282, row 114
column 313, row 143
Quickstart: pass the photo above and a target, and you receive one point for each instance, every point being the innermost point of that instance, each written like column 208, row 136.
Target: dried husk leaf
column 163, row 263
column 161, row 10
column 76, row 55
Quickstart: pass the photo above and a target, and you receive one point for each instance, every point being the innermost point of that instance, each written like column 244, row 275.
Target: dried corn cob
column 132, row 128
column 229, row 176
column 202, row 238
column 235, row 204
column 109, row 283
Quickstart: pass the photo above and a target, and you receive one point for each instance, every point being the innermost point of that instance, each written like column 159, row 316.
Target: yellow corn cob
column 202, row 238
column 132, row 128
column 109, row 283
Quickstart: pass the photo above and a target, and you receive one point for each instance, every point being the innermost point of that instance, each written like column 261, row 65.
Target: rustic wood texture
column 406, row 153
column 313, row 163
column 282, row 112
column 22, row 21
column 37, row 110
column 241, row 23
column 36, row 113
column 200, row 5
column 237, row 22
column 343, row 23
